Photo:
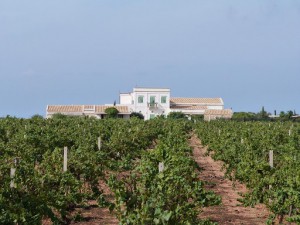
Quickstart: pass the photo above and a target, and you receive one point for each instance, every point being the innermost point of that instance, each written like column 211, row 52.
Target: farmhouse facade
column 150, row 102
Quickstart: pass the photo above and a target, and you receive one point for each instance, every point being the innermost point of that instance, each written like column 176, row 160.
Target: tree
column 111, row 112
column 137, row 115
column 244, row 116
column 282, row 114
column 289, row 114
column 286, row 115
column 37, row 117
column 176, row 115
column 162, row 116
column 197, row 117
column 59, row 116
column 263, row 114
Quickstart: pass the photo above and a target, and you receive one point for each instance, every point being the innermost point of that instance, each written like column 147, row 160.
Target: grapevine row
column 122, row 154
column 245, row 147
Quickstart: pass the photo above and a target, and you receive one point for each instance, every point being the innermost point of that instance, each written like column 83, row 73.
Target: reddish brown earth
column 94, row 215
column 97, row 216
column 230, row 211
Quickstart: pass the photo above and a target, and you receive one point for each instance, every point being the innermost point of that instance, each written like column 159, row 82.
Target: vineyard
column 51, row 167
column 247, row 150
column 147, row 166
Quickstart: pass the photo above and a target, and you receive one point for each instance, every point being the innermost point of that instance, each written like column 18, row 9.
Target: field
column 147, row 172
column 264, row 156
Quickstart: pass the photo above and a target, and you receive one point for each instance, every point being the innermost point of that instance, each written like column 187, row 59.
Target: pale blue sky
column 86, row 51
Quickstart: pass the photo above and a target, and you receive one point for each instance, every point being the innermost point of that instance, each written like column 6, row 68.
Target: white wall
column 215, row 107
column 159, row 109
column 125, row 99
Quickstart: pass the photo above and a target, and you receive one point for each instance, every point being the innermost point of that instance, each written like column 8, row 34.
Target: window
column 163, row 99
column 140, row 99
column 152, row 116
column 152, row 99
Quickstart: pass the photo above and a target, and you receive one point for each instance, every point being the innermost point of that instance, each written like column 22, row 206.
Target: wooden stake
column 12, row 175
column 99, row 143
column 161, row 167
column 65, row 167
column 271, row 162
column 291, row 210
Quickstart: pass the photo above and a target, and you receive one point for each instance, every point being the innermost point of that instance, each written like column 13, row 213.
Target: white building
column 150, row 102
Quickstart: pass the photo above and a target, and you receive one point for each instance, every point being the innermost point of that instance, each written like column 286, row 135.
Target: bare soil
column 230, row 211
column 97, row 216
column 93, row 215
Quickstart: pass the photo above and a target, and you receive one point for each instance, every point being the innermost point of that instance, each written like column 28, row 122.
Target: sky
column 88, row 51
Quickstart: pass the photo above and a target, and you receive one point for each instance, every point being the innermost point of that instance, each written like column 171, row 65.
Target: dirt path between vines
column 94, row 215
column 230, row 211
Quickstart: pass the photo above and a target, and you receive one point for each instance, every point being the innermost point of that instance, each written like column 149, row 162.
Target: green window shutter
column 140, row 99
column 152, row 116
column 163, row 99
column 152, row 99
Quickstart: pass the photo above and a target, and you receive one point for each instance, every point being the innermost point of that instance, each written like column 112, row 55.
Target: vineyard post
column 12, row 174
column 99, row 143
column 161, row 167
column 65, row 167
column 271, row 162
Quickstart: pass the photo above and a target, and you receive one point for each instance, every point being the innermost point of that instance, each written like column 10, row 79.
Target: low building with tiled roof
column 150, row 102
column 97, row 111
column 195, row 106
column 212, row 114
column 196, row 101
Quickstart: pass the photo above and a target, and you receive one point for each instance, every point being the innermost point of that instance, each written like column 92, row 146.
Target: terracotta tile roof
column 121, row 109
column 193, row 107
column 89, row 107
column 218, row 112
column 64, row 108
column 203, row 101
column 83, row 108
